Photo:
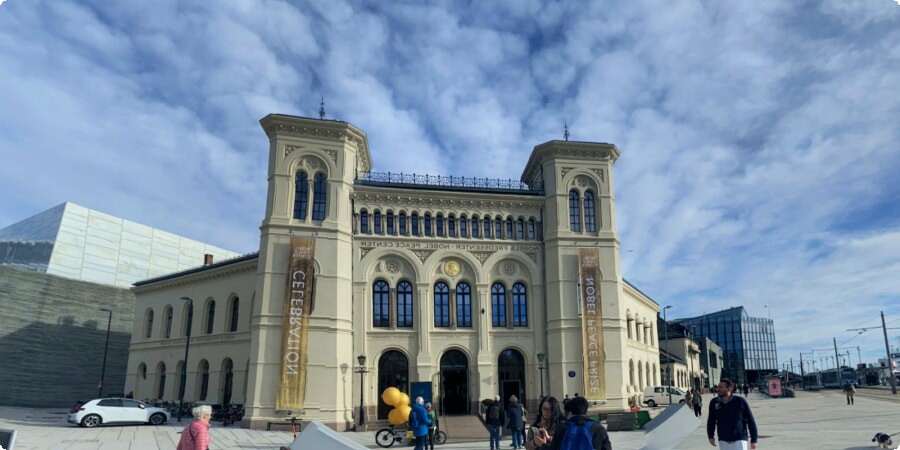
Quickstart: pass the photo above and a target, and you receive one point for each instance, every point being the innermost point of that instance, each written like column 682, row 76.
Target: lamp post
column 540, row 357
column 187, row 346
column 105, row 352
column 362, row 371
column 668, row 357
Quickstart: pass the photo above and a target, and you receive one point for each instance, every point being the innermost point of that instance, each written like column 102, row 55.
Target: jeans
column 495, row 436
column 516, row 437
column 420, row 442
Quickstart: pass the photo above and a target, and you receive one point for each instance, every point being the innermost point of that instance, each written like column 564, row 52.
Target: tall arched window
column 590, row 213
column 390, row 222
column 439, row 222
column 647, row 373
column 301, row 195
column 574, row 211
column 498, row 305
column 640, row 377
column 210, row 316
column 509, row 228
column 319, row 196
column 498, row 228
column 520, row 229
column 427, row 224
column 235, row 307
column 188, row 318
column 414, row 223
column 168, row 327
column 630, row 323
column 403, row 223
column 451, row 225
column 475, row 224
column 463, row 305
column 631, row 372
column 441, row 305
column 520, row 305
column 364, row 221
column 381, row 304
column 463, row 226
column 204, row 380
column 377, row 219
column 531, row 234
column 161, row 380
column 148, row 324
column 404, row 304
column 487, row 227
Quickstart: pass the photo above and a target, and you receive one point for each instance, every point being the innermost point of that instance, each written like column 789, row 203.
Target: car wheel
column 91, row 421
column 157, row 419
column 651, row 403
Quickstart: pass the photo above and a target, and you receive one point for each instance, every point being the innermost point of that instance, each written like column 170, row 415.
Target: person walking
column 688, row 399
column 697, row 403
column 515, row 422
column 545, row 424
column 433, row 426
column 195, row 435
column 579, row 431
column 419, row 421
column 850, row 390
column 730, row 417
column 494, row 417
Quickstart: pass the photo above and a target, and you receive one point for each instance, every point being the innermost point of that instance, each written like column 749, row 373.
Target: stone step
column 463, row 429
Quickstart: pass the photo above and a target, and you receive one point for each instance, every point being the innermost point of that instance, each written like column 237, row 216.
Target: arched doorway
column 393, row 371
column 511, row 368
column 227, row 380
column 160, row 380
column 454, row 383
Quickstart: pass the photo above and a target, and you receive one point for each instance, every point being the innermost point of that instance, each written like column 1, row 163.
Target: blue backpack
column 578, row 437
column 413, row 419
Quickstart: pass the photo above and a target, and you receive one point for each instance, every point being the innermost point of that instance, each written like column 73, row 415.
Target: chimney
column 207, row 259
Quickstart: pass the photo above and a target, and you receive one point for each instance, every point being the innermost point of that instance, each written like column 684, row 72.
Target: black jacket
column 599, row 437
column 733, row 420
column 499, row 421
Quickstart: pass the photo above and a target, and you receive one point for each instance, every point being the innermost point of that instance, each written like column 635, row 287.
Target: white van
column 658, row 395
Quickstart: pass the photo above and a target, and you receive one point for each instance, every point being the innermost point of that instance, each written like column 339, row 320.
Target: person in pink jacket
column 195, row 436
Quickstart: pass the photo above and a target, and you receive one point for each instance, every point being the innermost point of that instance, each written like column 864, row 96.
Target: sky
column 760, row 140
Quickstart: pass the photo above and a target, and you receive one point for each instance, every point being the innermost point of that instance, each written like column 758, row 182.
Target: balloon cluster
column 400, row 401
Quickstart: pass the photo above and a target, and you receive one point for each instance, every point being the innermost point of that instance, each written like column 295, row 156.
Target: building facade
column 455, row 282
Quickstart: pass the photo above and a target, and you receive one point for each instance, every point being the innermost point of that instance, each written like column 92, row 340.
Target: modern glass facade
column 748, row 343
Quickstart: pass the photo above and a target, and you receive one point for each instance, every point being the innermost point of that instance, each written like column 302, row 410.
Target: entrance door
column 454, row 383
column 393, row 371
column 511, row 368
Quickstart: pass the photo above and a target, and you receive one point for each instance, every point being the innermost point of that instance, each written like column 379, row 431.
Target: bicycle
column 387, row 437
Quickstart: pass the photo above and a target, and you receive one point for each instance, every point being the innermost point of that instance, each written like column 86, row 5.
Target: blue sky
column 760, row 140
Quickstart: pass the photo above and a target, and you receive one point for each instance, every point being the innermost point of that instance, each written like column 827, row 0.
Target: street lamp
column 668, row 356
column 105, row 352
column 362, row 371
column 187, row 346
column 540, row 357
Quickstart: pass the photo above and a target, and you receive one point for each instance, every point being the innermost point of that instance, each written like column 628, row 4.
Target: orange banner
column 298, row 298
column 592, row 324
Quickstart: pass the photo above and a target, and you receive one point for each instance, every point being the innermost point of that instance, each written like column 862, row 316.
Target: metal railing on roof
column 469, row 183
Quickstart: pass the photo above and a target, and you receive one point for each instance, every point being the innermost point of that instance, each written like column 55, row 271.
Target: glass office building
column 748, row 343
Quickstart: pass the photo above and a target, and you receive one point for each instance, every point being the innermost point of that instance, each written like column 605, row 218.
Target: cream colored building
column 457, row 282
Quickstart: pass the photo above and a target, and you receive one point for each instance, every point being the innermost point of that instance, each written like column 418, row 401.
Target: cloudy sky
column 760, row 140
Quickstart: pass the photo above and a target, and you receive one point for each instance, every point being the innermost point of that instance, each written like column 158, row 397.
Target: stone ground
column 812, row 421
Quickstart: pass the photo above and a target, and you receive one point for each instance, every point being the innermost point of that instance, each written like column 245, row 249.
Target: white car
column 116, row 410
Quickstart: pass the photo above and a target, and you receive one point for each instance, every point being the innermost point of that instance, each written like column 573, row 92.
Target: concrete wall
column 52, row 338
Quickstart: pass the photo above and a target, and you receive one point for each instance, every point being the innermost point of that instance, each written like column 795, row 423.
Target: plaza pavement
column 812, row 421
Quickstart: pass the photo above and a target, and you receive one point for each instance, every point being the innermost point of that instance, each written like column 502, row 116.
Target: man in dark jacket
column 732, row 418
column 494, row 416
column 577, row 410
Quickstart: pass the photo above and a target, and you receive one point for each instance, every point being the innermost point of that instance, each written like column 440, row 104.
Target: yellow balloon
column 395, row 418
column 403, row 412
column 403, row 400
column 391, row 395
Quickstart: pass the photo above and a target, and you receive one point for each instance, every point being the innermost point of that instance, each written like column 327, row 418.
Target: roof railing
column 474, row 183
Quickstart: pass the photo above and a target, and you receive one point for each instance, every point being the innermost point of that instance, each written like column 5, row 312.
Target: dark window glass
column 520, row 305
column 149, row 329
column 509, row 228
column 168, row 322
column 381, row 304
column 487, row 227
column 463, row 305
column 590, row 214
column 441, row 305
column 475, row 224
column 390, row 222
column 301, row 195
column 210, row 317
column 190, row 318
column 440, row 225
column 520, row 229
column 498, row 305
column 463, row 226
column 235, row 307
column 498, row 228
column 574, row 211
column 204, row 379
column 319, row 194
column 415, row 224
column 404, row 304
column 363, row 221
column 531, row 230
column 403, row 224
column 451, row 226
column 110, row 402
column 377, row 219
column 427, row 224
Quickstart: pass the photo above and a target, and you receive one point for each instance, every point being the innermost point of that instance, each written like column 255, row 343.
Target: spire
column 566, row 130
column 322, row 109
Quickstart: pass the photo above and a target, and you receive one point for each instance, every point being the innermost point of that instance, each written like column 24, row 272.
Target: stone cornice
column 190, row 278
column 567, row 149
column 451, row 201
column 157, row 344
column 343, row 132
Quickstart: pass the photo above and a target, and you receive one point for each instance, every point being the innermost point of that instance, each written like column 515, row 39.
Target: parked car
column 116, row 410
column 658, row 395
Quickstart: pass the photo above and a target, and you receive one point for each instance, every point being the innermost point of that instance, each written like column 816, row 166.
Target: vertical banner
column 298, row 298
column 592, row 324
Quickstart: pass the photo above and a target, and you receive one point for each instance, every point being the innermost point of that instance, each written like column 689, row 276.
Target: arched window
column 148, row 324
column 647, row 373
column 301, row 195
column 509, row 228
column 415, row 224
column 180, row 377
column 210, row 316
column 640, row 377
column 404, row 304
column 381, row 304
column 655, row 375
column 451, row 225
column 531, row 234
column 364, row 221
column 638, row 328
column 475, row 224
column 142, row 371
column 403, row 223
column 440, row 225
column 168, row 326
column 574, row 211
column 463, row 226
column 590, row 212
column 427, row 224
column 188, row 318
column 441, row 305
column 498, row 228
column 235, row 307
column 390, row 222
column 520, row 229
column 204, row 380
column 498, row 305
column 630, row 324
column 377, row 220
column 520, row 305
column 631, row 372
column 319, row 195
column 487, row 227
column 160, row 380
column 463, row 305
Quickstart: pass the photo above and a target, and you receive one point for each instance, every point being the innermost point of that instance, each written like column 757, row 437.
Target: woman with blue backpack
column 579, row 432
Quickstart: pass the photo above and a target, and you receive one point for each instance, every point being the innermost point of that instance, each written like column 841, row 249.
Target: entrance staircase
column 463, row 429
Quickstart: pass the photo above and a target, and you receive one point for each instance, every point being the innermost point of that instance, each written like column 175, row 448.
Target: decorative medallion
column 452, row 268
column 392, row 266
column 509, row 269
